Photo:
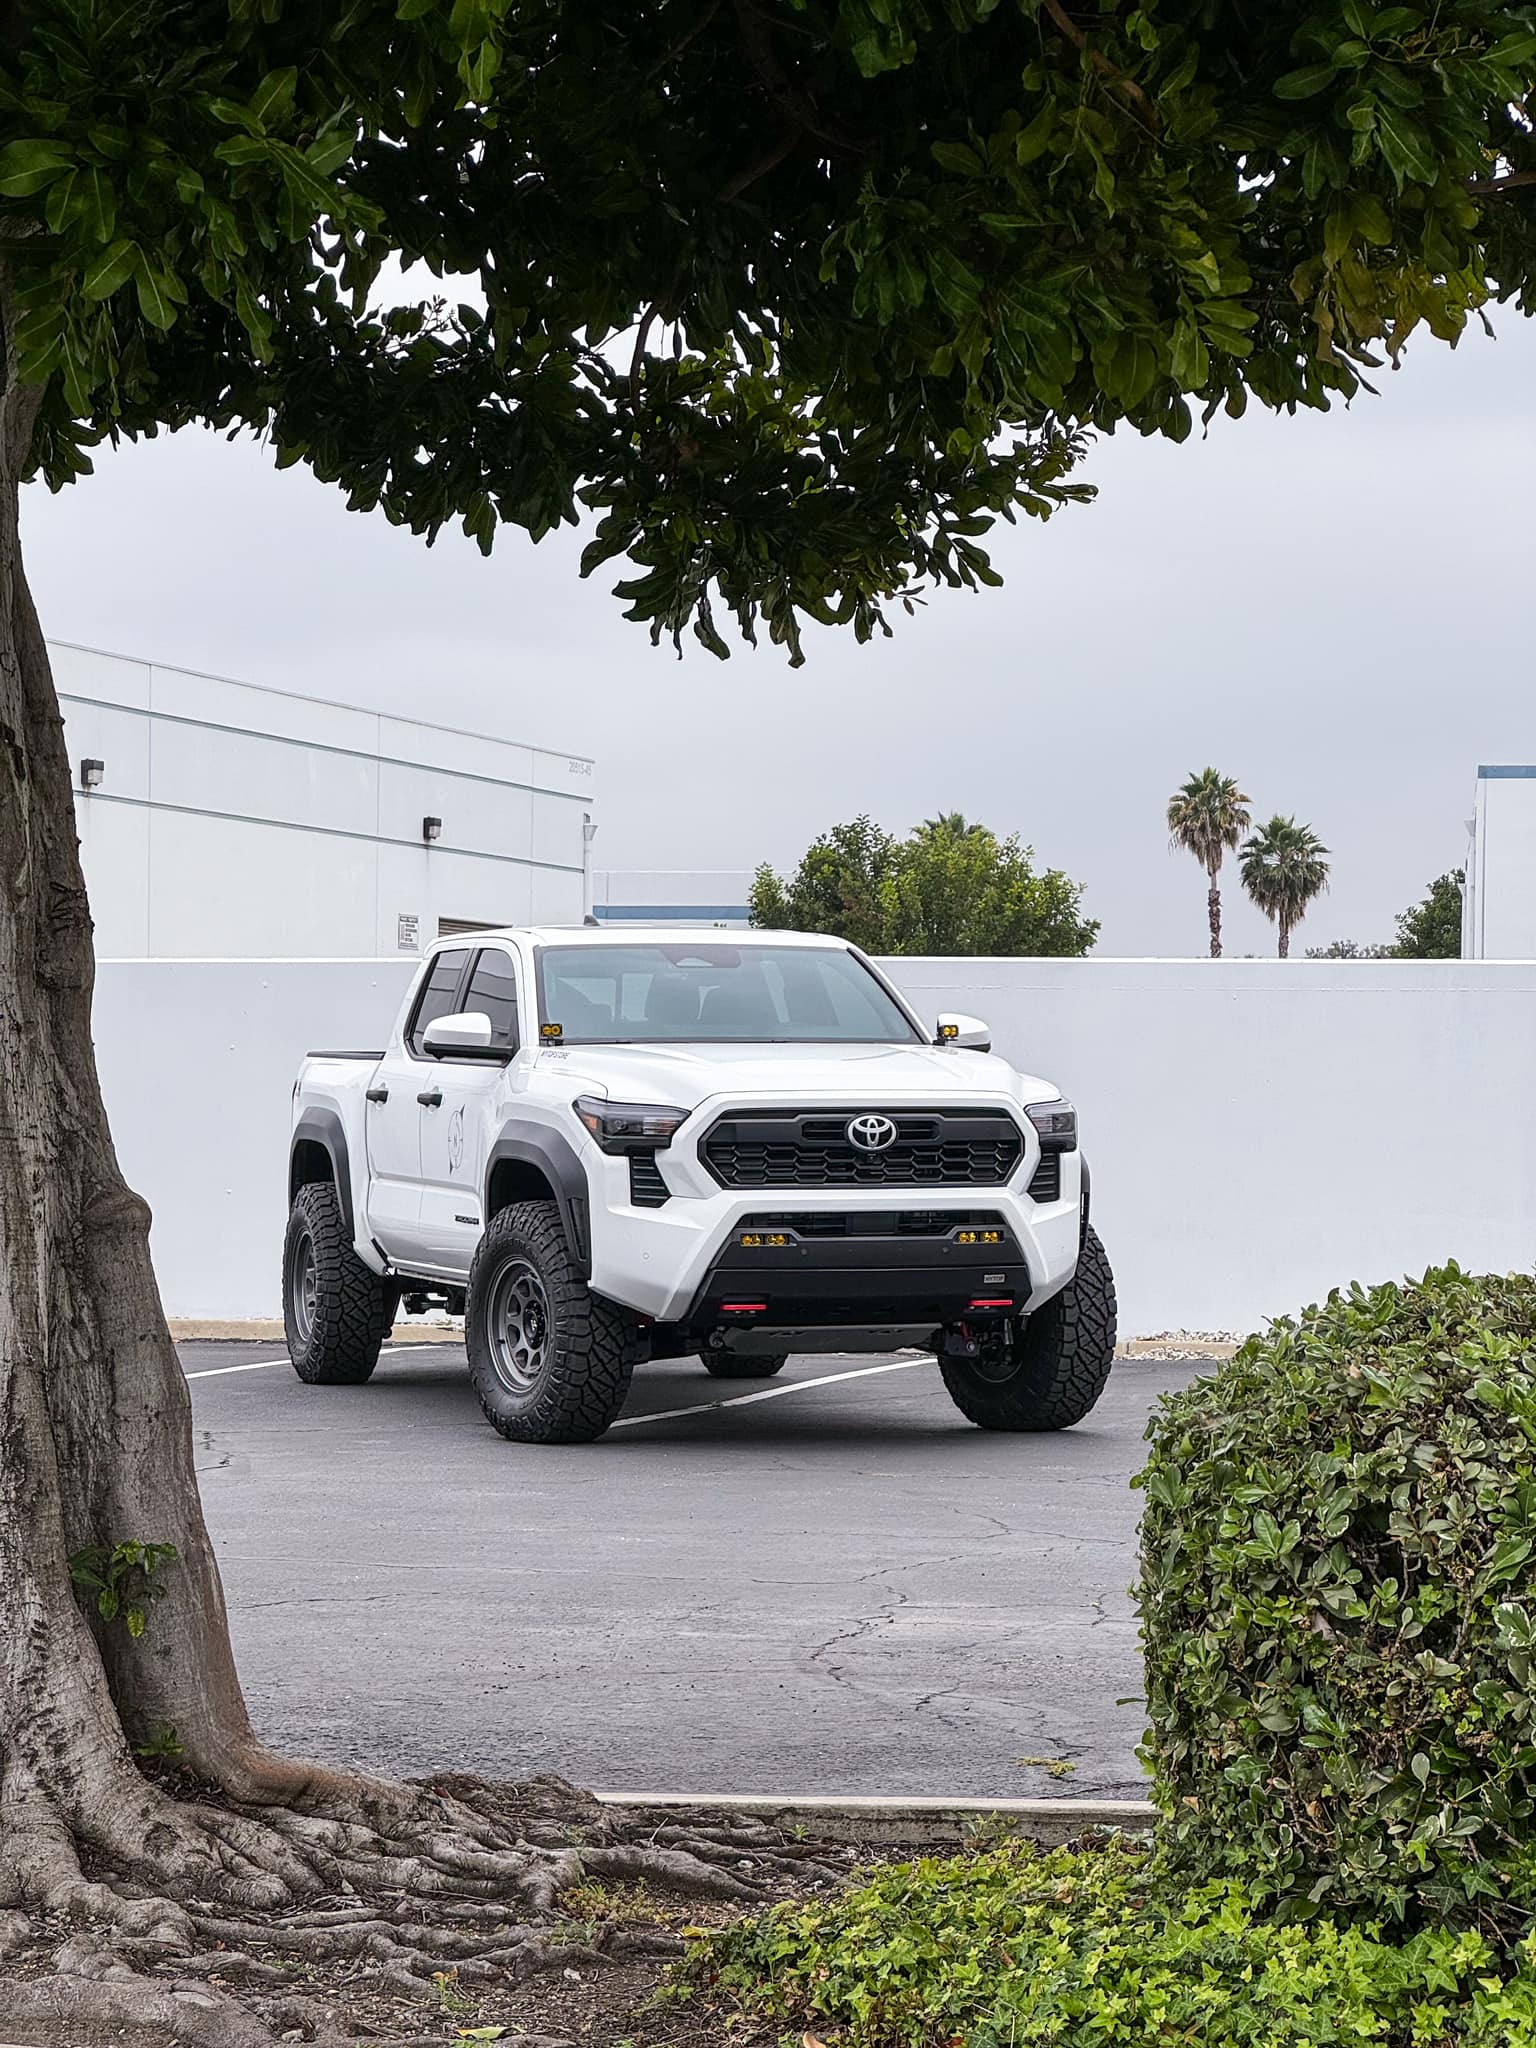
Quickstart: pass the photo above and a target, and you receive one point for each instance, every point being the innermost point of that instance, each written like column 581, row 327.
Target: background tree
column 950, row 887
column 1349, row 949
column 965, row 891
column 1207, row 816
column 795, row 300
column 1284, row 866
column 1431, row 930
column 836, row 888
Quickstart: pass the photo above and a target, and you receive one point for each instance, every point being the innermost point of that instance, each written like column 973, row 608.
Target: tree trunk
column 96, row 1450
column 1285, row 937
column 1213, row 913
column 95, row 1421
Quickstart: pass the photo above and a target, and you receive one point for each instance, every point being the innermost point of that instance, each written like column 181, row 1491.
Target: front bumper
column 675, row 1263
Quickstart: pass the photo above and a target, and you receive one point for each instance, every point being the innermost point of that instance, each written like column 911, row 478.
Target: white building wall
column 237, row 821
column 1259, row 1131
column 1499, row 921
column 705, row 896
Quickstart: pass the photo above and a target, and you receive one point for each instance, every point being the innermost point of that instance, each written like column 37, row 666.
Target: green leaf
column 30, row 166
column 134, row 1618
column 1304, row 84
column 273, row 98
column 957, row 156
column 83, row 199
column 1405, row 147
column 1369, row 218
column 154, row 294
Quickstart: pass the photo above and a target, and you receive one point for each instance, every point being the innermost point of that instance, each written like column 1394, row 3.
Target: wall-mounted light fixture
column 431, row 828
column 91, row 772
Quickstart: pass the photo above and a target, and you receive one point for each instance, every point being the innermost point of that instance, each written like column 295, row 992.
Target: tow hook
column 960, row 1342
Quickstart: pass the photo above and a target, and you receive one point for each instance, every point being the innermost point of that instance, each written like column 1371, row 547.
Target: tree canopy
column 1431, row 929
column 950, row 887
column 1284, row 866
column 796, row 296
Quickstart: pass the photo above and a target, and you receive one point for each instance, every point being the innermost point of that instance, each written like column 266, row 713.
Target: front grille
column 647, row 1189
column 892, row 1223
column 932, row 1148
column 1045, row 1182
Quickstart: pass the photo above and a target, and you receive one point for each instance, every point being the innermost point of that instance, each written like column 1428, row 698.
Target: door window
column 439, row 998
column 493, row 990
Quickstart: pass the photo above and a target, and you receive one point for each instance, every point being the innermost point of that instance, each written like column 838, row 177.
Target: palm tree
column 1207, row 816
column 1284, row 865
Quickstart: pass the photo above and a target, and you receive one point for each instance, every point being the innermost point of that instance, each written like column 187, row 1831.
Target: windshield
column 675, row 994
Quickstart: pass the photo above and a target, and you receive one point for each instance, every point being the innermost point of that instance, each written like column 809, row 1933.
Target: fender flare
column 555, row 1158
column 1083, row 1205
column 324, row 1127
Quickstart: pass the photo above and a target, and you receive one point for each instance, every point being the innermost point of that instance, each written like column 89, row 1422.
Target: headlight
column 1056, row 1122
column 628, row 1126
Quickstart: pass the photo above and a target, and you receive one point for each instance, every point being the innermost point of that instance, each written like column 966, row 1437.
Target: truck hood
column 683, row 1076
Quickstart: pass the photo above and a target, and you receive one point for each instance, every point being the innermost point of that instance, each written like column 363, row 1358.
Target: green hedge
column 1338, row 1601
column 1076, row 1949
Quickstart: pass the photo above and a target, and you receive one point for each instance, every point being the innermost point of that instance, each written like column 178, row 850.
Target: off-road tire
column 579, row 1385
column 336, row 1342
column 1063, row 1354
column 726, row 1367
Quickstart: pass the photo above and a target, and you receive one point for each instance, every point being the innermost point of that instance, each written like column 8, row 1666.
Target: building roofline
column 176, row 668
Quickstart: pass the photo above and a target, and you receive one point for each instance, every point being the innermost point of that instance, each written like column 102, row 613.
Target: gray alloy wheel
column 549, row 1359
column 517, row 1331
column 336, row 1311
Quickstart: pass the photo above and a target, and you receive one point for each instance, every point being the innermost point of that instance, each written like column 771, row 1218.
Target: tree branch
column 1485, row 187
column 786, row 95
column 1109, row 72
column 769, row 160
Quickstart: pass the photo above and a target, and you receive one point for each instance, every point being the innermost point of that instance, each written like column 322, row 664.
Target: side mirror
column 967, row 1033
column 464, row 1035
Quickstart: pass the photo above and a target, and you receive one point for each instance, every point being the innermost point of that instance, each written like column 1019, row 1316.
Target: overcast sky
column 1335, row 610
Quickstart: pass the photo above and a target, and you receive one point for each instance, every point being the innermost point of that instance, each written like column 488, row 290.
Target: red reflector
column 745, row 1308
column 1002, row 1301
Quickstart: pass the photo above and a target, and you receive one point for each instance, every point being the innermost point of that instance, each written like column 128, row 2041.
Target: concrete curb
column 913, row 1820
column 201, row 1330
column 264, row 1330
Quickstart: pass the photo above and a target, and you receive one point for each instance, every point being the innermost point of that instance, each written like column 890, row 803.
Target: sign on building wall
column 408, row 932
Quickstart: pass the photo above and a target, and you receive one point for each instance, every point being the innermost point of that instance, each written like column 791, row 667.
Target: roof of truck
column 637, row 935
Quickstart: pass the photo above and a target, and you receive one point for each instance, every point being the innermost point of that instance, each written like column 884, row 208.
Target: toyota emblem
column 871, row 1133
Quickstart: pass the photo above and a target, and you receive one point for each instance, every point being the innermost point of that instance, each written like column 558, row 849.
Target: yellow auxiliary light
column 752, row 1240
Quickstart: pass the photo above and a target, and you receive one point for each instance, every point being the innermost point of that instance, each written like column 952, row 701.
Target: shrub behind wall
column 1338, row 1601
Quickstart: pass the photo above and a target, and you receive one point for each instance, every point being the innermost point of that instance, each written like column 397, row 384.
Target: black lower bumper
column 766, row 1278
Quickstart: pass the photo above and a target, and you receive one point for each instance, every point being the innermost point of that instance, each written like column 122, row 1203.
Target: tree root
column 225, row 1923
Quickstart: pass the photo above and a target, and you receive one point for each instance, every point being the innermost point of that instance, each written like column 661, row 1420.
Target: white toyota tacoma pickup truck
column 606, row 1147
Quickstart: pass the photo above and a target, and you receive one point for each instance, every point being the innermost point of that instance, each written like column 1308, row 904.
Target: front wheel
column 1055, row 1366
column 336, row 1311
column 550, row 1360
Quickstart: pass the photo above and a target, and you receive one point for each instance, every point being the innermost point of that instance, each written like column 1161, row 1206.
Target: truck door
column 395, row 1114
column 453, row 1129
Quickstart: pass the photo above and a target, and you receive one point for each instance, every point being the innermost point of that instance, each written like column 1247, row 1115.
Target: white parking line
column 825, row 1379
column 213, row 1371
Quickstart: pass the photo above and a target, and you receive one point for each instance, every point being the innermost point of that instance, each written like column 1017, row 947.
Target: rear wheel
column 336, row 1311
column 725, row 1366
column 551, row 1361
column 1054, row 1367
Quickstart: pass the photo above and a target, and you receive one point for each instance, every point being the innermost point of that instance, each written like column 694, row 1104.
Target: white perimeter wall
column 1258, row 1130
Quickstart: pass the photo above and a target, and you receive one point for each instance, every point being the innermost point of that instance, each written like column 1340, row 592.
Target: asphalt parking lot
column 839, row 1588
